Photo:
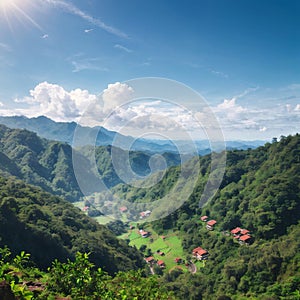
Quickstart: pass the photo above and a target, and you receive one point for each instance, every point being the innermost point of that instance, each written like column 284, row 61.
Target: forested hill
column 260, row 192
column 48, row 164
column 50, row 228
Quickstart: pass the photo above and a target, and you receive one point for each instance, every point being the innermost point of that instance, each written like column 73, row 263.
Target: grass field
column 170, row 246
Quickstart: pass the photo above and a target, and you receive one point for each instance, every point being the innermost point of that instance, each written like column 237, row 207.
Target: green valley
column 243, row 244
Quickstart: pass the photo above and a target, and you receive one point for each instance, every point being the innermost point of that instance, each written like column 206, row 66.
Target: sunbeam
column 16, row 9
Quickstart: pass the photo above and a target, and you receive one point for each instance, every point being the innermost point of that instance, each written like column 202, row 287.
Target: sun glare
column 16, row 9
column 8, row 4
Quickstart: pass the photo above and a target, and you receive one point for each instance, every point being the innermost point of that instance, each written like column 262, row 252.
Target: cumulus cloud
column 230, row 108
column 116, row 94
column 117, row 108
column 45, row 36
column 55, row 102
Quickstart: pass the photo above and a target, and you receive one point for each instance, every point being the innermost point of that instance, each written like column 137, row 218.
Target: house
column 161, row 253
column 161, row 264
column 163, row 237
column 86, row 208
column 150, row 260
column 178, row 260
column 123, row 209
column 244, row 231
column 204, row 218
column 200, row 254
column 244, row 239
column 236, row 231
column 210, row 224
column 144, row 234
column 145, row 214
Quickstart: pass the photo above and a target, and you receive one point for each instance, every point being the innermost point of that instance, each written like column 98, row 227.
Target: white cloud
column 117, row 108
column 45, row 36
column 70, row 8
column 117, row 46
column 220, row 74
column 230, row 109
column 55, row 102
column 88, row 30
column 87, row 64
column 263, row 129
column 116, row 94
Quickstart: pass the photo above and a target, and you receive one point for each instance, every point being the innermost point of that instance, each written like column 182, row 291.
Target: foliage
column 78, row 279
column 49, row 164
column 48, row 227
column 260, row 191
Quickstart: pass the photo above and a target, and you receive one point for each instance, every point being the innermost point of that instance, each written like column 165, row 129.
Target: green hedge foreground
column 77, row 279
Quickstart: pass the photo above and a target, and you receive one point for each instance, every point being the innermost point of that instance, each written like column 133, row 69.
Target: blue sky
column 242, row 56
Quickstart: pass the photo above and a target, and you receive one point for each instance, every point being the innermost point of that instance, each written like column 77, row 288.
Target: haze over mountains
column 99, row 136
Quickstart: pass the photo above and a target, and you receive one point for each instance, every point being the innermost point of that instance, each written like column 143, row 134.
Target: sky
column 58, row 57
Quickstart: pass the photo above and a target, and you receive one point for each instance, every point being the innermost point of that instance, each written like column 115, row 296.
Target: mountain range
column 49, row 164
column 99, row 136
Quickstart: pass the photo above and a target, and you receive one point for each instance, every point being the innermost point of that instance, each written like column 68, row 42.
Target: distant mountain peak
column 64, row 132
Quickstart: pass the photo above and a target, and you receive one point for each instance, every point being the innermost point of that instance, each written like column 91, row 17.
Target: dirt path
column 192, row 268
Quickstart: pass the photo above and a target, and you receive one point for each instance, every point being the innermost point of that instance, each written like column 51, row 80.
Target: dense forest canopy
column 49, row 164
column 260, row 192
column 51, row 228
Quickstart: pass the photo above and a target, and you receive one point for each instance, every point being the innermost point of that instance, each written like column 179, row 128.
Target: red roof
column 203, row 218
column 236, row 230
column 144, row 232
column 199, row 251
column 160, row 262
column 177, row 259
column 123, row 208
column 245, row 237
column 211, row 222
column 244, row 231
column 149, row 259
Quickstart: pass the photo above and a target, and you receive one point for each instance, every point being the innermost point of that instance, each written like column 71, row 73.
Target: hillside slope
column 260, row 192
column 49, row 164
column 51, row 228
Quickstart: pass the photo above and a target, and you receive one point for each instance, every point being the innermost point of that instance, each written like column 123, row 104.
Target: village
column 162, row 254
column 165, row 252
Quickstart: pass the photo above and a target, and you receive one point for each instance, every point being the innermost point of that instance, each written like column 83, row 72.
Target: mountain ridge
column 64, row 132
column 50, row 164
